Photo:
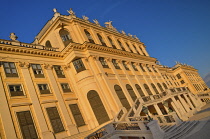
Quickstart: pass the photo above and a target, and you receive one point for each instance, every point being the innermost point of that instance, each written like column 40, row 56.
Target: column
column 67, row 121
column 46, row 133
column 6, row 119
column 189, row 102
column 184, row 104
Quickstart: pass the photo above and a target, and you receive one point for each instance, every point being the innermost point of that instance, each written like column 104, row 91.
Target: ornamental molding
column 24, row 64
column 48, row 66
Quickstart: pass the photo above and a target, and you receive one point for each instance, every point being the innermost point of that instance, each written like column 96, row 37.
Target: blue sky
column 172, row 30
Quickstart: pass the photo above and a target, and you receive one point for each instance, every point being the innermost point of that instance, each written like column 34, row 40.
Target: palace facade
column 80, row 79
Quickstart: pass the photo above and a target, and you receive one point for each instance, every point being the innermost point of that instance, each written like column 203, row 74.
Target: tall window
column 142, row 68
column 48, row 44
column 97, row 107
column 129, row 47
column 37, row 70
column 165, row 86
column 122, row 97
column 142, row 51
column 103, row 62
column 78, row 64
column 65, row 87
column 59, row 71
column 55, row 119
column 178, row 76
column 110, row 40
column 131, row 92
column 154, row 69
column 134, row 66
column 77, row 115
column 121, row 45
column 114, row 61
column 154, row 88
column 125, row 65
column 161, row 88
column 139, row 90
column 65, row 36
column 147, row 89
column 44, row 89
column 10, row 69
column 26, row 125
column 16, row 90
column 101, row 40
column 89, row 36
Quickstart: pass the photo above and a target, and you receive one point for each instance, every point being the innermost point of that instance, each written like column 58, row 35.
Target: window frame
column 78, row 65
column 103, row 62
column 38, row 72
column 79, row 122
column 11, row 69
column 20, row 93
column 45, row 87
column 65, row 90
column 114, row 62
column 59, row 71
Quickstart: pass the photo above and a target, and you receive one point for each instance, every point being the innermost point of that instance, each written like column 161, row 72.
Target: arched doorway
column 97, row 107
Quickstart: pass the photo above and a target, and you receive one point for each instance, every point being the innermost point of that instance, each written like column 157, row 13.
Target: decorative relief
column 85, row 18
column 107, row 59
column 94, row 57
column 119, row 61
column 13, row 37
column 109, row 25
column 24, row 64
column 48, row 66
column 67, row 66
column 71, row 13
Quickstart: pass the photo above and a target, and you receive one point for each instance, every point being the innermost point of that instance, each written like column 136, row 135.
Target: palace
column 79, row 79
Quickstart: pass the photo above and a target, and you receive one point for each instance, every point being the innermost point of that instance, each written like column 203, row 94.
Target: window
column 142, row 68
column 27, row 125
column 165, row 86
column 178, row 76
column 154, row 88
column 110, row 40
column 78, row 64
column 125, row 65
column 43, row 88
column 131, row 92
column 10, row 69
column 103, row 62
column 134, row 67
column 129, row 47
column 139, row 90
column 136, row 49
column 89, row 36
column 121, row 45
column 115, row 64
column 16, row 90
column 59, row 71
column 65, row 87
column 142, row 51
column 147, row 89
column 65, row 36
column 37, row 70
column 48, row 44
column 161, row 88
column 154, row 69
column 182, row 81
column 148, row 68
column 101, row 39
column 55, row 119
column 77, row 115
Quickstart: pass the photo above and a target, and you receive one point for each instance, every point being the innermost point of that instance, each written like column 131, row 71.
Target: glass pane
column 12, row 65
column 8, row 71
column 6, row 65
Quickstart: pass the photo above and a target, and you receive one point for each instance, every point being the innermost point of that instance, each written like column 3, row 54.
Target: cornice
column 33, row 51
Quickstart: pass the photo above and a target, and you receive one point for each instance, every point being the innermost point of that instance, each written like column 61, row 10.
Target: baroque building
column 79, row 79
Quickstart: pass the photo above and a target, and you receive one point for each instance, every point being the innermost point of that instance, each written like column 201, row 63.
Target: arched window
column 97, row 107
column 101, row 39
column 121, row 45
column 161, row 88
column 139, row 90
column 65, row 36
column 147, row 89
column 122, row 97
column 131, row 92
column 110, row 40
column 154, row 88
column 48, row 44
column 165, row 86
column 89, row 36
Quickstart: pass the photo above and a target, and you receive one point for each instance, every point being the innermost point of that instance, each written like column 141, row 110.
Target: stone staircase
column 180, row 131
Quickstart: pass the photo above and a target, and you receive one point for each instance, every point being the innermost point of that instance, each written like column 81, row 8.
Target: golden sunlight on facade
column 79, row 79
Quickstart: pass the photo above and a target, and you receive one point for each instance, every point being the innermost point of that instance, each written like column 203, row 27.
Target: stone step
column 81, row 135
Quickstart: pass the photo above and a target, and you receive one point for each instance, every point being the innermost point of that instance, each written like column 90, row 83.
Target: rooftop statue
column 96, row 21
column 71, row 12
column 123, row 32
column 85, row 17
column 55, row 10
column 109, row 25
column 13, row 37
